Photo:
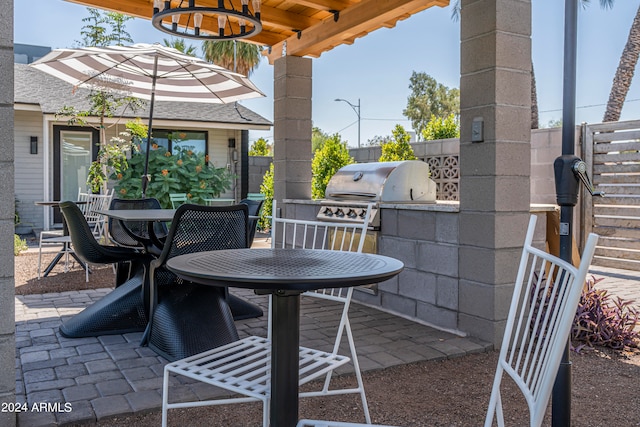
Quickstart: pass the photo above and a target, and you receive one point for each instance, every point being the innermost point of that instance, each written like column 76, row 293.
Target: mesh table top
column 284, row 269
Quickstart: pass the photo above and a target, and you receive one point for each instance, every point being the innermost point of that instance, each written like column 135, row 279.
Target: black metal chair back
column 122, row 236
column 179, row 307
column 85, row 244
column 254, row 210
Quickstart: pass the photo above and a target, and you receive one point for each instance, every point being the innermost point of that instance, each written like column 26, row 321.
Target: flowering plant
column 180, row 171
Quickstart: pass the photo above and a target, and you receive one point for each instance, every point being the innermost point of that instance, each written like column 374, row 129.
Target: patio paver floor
column 84, row 379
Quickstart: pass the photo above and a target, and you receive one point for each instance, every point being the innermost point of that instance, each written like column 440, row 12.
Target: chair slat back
column 545, row 298
column 177, row 199
column 93, row 203
column 289, row 233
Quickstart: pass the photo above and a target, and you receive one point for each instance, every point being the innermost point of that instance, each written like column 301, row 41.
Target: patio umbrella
column 151, row 72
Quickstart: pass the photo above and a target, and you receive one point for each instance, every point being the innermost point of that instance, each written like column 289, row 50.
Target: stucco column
column 495, row 93
column 7, row 285
column 292, row 128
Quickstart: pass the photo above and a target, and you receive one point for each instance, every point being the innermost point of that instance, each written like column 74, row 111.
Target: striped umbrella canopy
column 151, row 72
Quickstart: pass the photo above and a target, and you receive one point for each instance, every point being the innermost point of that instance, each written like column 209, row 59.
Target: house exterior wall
column 29, row 171
column 34, row 172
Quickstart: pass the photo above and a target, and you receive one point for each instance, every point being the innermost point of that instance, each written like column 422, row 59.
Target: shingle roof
column 51, row 94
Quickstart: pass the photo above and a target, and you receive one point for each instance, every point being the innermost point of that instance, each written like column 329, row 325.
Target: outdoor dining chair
column 122, row 310
column 244, row 366
column 93, row 203
column 177, row 199
column 88, row 203
column 254, row 210
column 135, row 234
column 544, row 303
column 188, row 318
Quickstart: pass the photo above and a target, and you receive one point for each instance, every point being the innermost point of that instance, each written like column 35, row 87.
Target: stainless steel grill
column 355, row 185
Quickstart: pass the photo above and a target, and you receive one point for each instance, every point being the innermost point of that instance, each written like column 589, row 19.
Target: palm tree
column 180, row 45
column 626, row 68
column 237, row 56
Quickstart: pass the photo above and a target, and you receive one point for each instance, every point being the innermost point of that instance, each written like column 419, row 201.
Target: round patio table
column 284, row 273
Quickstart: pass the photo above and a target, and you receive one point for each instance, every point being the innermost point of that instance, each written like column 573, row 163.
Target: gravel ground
column 606, row 385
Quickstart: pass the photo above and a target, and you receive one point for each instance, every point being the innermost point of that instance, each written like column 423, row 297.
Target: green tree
column 237, row 56
column 266, row 188
column 378, row 140
column 180, row 45
column 318, row 138
column 94, row 32
column 429, row 98
column 333, row 155
column 119, row 35
column 104, row 102
column 398, row 148
column 625, row 71
column 441, row 128
column 104, row 29
column 260, row 148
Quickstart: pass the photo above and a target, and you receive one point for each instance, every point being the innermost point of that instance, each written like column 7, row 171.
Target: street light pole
column 356, row 108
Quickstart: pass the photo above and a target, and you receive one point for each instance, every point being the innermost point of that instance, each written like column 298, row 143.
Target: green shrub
column 260, row 148
column 333, row 155
column 19, row 245
column 180, row 171
column 266, row 188
column 441, row 128
column 398, row 148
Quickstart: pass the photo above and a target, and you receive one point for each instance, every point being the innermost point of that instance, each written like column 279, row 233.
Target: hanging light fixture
column 182, row 18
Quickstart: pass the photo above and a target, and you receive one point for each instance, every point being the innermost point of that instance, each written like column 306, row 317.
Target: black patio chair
column 187, row 318
column 123, row 309
column 254, row 210
column 135, row 234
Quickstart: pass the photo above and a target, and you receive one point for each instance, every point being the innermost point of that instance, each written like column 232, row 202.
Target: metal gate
column 613, row 150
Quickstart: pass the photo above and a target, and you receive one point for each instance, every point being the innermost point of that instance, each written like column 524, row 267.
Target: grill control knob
column 362, row 213
column 352, row 213
column 327, row 212
column 339, row 212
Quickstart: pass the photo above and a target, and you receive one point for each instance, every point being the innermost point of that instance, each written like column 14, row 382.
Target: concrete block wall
column 431, row 289
column 7, row 281
column 258, row 166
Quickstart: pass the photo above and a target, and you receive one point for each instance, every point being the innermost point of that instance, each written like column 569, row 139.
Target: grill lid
column 387, row 182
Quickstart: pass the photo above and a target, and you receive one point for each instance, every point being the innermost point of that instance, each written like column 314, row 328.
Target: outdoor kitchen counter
column 438, row 206
column 426, row 238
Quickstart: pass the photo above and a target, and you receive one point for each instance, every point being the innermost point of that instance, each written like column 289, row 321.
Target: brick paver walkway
column 111, row 375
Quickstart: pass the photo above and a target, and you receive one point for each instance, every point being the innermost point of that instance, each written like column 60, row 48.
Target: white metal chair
column 177, row 199
column 545, row 298
column 95, row 202
column 320, row 423
column 243, row 366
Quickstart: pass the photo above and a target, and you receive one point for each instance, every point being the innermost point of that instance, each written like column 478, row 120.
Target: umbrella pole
column 567, row 198
column 145, row 173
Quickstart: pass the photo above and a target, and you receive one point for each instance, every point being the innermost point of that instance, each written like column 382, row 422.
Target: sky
column 375, row 69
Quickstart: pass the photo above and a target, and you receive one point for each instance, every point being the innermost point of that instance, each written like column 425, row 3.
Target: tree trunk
column 624, row 73
column 535, row 120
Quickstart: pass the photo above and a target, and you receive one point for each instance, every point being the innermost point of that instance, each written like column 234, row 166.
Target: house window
column 172, row 139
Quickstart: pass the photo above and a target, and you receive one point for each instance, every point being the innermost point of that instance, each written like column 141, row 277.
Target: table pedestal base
column 284, row 355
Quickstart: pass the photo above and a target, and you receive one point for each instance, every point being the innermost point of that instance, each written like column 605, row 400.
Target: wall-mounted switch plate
column 477, row 130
